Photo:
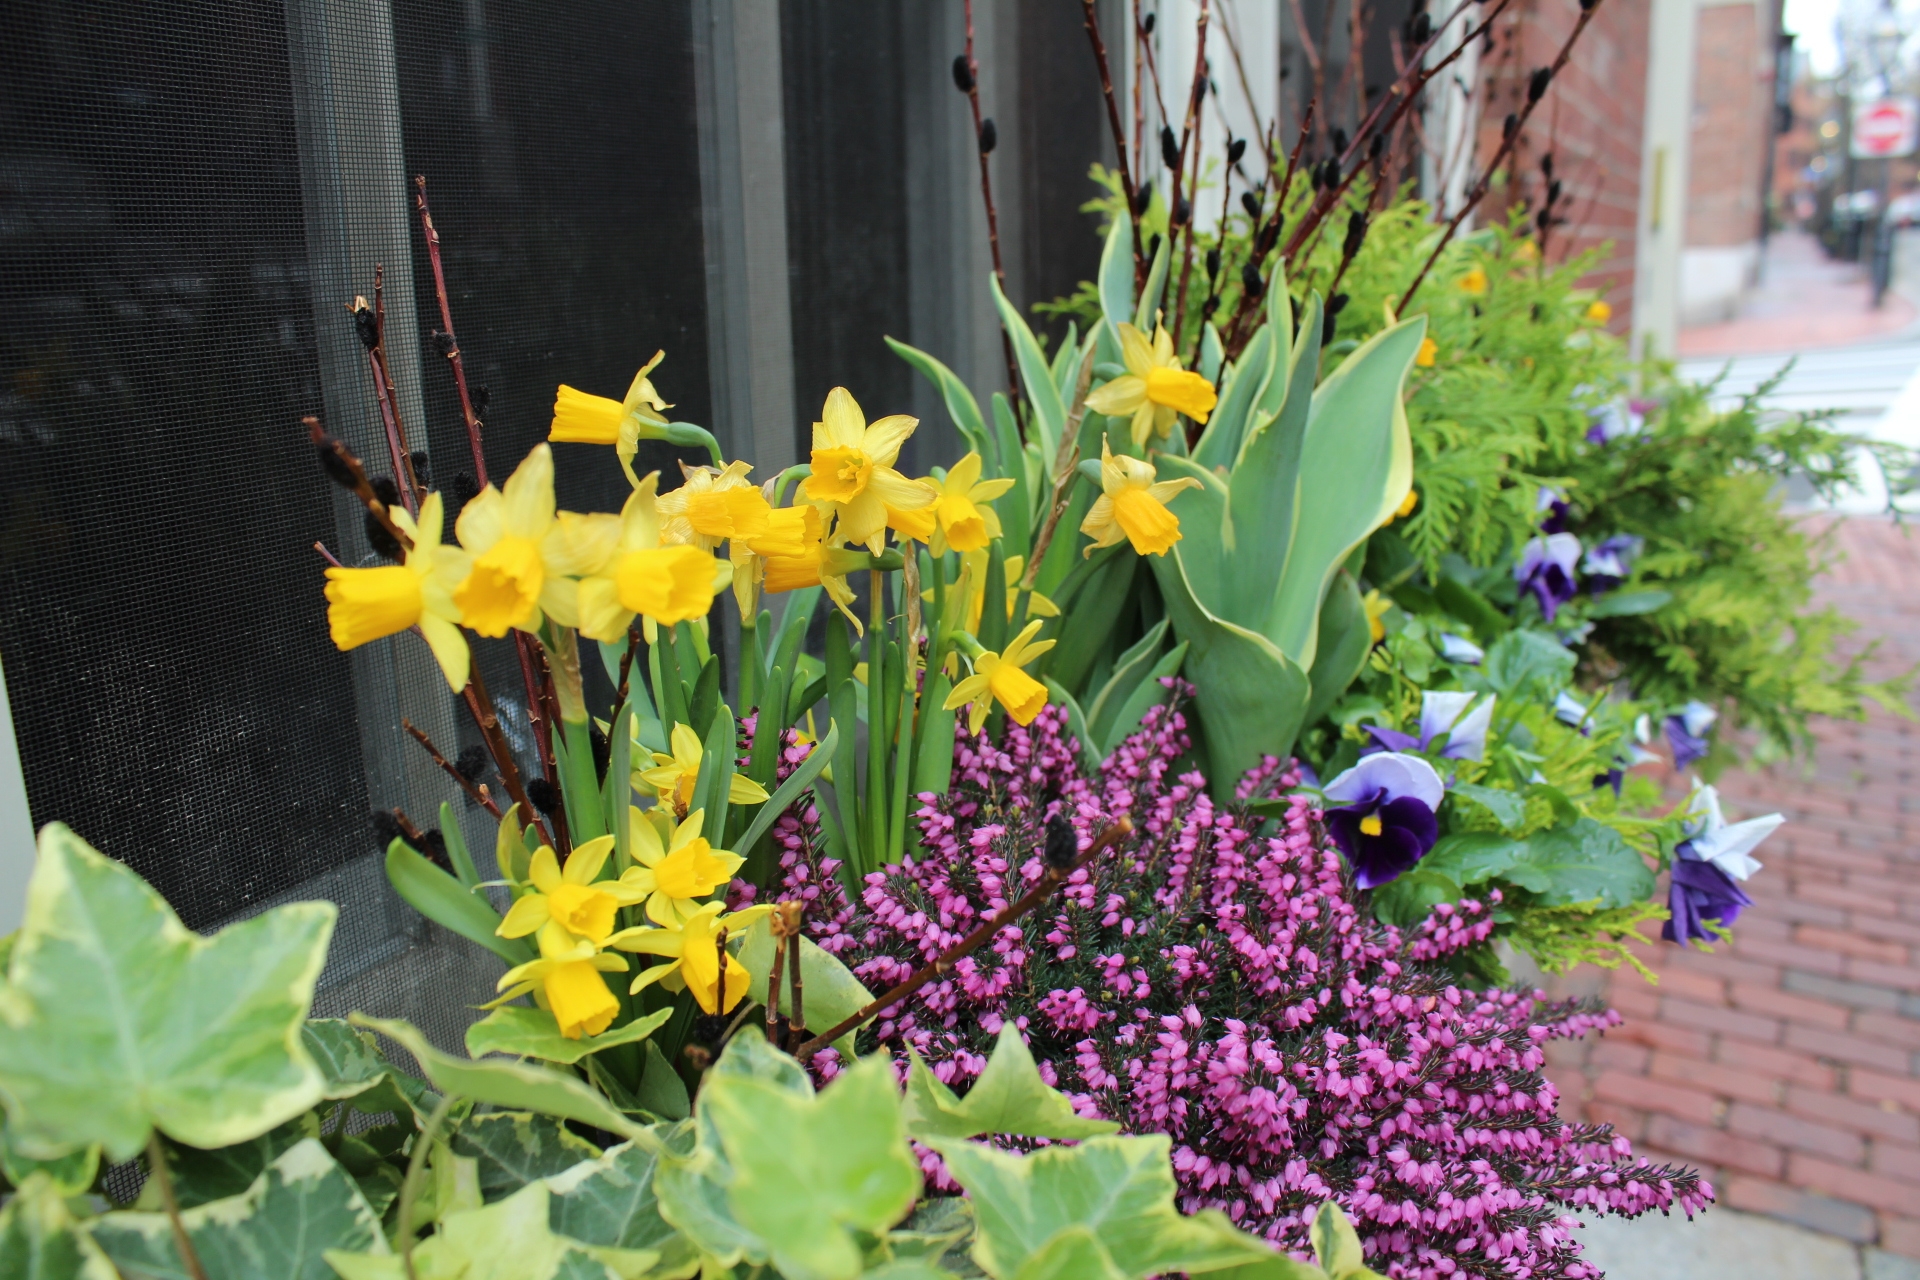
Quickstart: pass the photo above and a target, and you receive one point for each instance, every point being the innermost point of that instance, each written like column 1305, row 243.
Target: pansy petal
column 1396, row 774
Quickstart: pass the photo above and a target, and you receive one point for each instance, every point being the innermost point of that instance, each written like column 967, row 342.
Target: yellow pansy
column 1428, row 350
column 639, row 576
column 1376, row 606
column 367, row 604
column 997, row 677
column 1474, row 282
column 672, row 777
column 567, row 976
column 1599, row 312
column 580, row 418
column 572, row 903
column 1133, row 505
column 853, row 470
column 676, row 871
column 1155, row 390
column 959, row 519
column 692, row 949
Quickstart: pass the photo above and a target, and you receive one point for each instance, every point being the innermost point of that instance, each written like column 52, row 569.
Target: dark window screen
column 162, row 261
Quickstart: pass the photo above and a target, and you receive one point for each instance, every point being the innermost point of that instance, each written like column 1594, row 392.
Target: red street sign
column 1889, row 127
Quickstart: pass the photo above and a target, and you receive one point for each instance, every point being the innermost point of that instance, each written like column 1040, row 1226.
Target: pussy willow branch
column 362, row 489
column 533, row 674
column 479, row 797
column 1275, row 220
column 1485, row 181
column 446, row 323
column 1064, row 473
column 1189, row 137
column 1043, row 889
column 993, row 220
column 1127, row 186
column 488, row 720
column 410, row 489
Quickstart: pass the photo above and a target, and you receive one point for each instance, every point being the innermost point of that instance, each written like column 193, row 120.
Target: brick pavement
column 1787, row 1064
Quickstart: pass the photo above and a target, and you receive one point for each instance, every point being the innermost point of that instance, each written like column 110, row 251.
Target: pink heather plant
column 1222, row 986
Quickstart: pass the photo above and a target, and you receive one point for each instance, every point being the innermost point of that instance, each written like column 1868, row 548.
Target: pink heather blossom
column 1218, row 979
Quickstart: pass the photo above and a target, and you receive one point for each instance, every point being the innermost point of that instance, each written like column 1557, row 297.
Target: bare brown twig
column 362, row 487
column 993, row 219
column 446, row 322
column 1043, row 889
column 474, row 792
column 1127, row 180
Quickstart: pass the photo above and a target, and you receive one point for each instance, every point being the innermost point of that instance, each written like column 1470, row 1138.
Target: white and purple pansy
column 1687, row 732
column 1546, row 569
column 1461, row 650
column 1384, row 815
column 1449, row 714
column 1610, row 561
column 1706, row 865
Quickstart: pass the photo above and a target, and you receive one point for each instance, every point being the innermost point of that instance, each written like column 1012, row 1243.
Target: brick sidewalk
column 1787, row 1065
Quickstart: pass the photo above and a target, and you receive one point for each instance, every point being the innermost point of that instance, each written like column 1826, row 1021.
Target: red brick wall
column 1732, row 124
column 1590, row 121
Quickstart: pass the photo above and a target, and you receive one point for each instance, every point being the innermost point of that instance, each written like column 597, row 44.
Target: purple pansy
column 1553, row 510
column 1608, row 564
column 1448, row 713
column 1687, row 732
column 1386, row 820
column 1706, row 864
column 1617, row 418
column 1546, row 569
column 1701, row 891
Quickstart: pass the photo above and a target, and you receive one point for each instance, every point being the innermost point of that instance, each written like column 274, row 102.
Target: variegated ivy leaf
column 300, row 1206
column 611, row 1202
column 507, row 1240
column 513, row 1148
column 40, row 1240
column 118, row 1019
column 1008, row 1097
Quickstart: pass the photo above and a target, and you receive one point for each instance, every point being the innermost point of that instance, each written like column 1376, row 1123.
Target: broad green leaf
column 200, row 1176
column 1076, row 723
column 1036, row 377
column 961, row 406
column 1587, row 862
column 41, row 1240
column 828, row 990
column 1073, row 1254
column 748, row 1056
column 1209, row 554
column 1508, row 808
column 70, row 1174
column 1336, row 1247
column 1527, row 664
column 908, row 1269
column 1128, row 669
column 808, row 1173
column 448, row 903
column 937, row 1234
column 1356, row 465
column 1473, row 857
column 1346, row 637
column 690, row 1186
column 1116, row 271
column 1008, row 1097
column 1411, row 896
column 117, row 1019
column 301, row 1206
column 1623, row 604
column 1227, row 425
column 1266, row 476
column 1119, row 1188
column 512, row 1148
column 507, row 1240
column 790, row 791
column 355, row 1071
column 532, row 1033
column 513, row 1086
column 1147, row 694
column 1093, row 595
column 1251, row 697
column 661, row 1090
column 610, row 1202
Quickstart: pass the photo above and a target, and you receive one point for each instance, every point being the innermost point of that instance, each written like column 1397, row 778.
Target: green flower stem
column 903, row 744
column 586, row 817
column 751, row 658
column 965, row 643
column 163, row 1178
column 410, row 1186
column 875, row 810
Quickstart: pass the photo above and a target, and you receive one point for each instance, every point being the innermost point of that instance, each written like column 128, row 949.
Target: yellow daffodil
column 673, row 873
column 967, row 597
column 639, row 576
column 366, row 604
column 959, row 519
column 812, row 561
column 692, row 949
column 702, row 511
column 580, row 418
column 997, row 677
column 1132, row 505
column 1599, row 312
column 853, row 470
column 1429, row 349
column 572, row 903
column 672, row 777
column 567, row 976
column 1155, row 390
column 1473, row 282
column 1376, row 606
column 518, row 571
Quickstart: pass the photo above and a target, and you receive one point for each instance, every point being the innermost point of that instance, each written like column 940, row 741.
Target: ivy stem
column 410, row 1186
column 163, row 1178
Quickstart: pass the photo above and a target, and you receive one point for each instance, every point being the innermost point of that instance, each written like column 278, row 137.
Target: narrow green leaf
column 616, row 789
column 115, row 1019
column 1116, row 271
column 532, row 1033
column 1210, row 553
column 1128, row 670
column 1145, row 310
column 704, row 701
column 449, row 904
column 1148, row 693
column 993, row 614
column 717, row 758
column 510, row 1085
column 1036, row 377
column 1228, row 424
column 1076, row 722
column 961, row 406
column 933, row 758
column 1016, row 506
column 790, row 791
column 1009, row 1097
column 1094, row 601
column 1346, row 637
column 843, row 703
column 1266, row 477
column 457, row 851
column 1622, row 604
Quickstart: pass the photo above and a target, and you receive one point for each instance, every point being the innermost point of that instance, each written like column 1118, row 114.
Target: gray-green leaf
column 118, row 1019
